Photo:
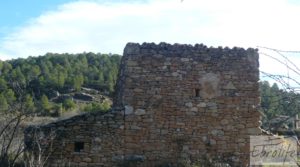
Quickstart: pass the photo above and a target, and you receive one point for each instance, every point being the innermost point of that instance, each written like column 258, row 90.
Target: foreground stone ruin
column 173, row 103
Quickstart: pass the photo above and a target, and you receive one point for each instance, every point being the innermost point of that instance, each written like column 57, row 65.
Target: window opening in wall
column 197, row 92
column 78, row 146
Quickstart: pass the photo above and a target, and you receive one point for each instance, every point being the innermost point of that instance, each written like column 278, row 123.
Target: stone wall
column 173, row 103
column 100, row 133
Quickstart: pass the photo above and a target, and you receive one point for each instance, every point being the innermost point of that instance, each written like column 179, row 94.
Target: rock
column 204, row 139
column 140, row 112
column 185, row 148
column 98, row 139
column 202, row 105
column 190, row 113
column 87, row 159
column 253, row 131
column 134, row 158
column 212, row 142
column 128, row 110
column 224, row 122
column 134, row 127
column 189, row 104
column 194, row 109
column 175, row 74
column 117, row 158
column 163, row 132
column 212, row 105
column 138, row 90
column 217, row 132
column 185, row 59
column 77, row 159
column 83, row 164
column 83, row 96
column 230, row 86
column 240, row 126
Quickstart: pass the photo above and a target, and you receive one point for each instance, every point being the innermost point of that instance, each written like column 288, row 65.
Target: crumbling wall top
column 180, row 49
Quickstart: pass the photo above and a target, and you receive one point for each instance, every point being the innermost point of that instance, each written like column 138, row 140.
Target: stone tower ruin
column 183, row 100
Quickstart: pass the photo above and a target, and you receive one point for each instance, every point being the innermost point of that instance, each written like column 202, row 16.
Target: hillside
column 56, row 83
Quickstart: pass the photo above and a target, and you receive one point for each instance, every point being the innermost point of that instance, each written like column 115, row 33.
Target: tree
column 3, row 103
column 78, row 82
column 3, row 85
column 10, row 96
column 29, row 104
column 100, row 77
column 110, row 83
column 45, row 105
column 34, row 72
column 68, row 104
column 1, row 66
column 18, row 77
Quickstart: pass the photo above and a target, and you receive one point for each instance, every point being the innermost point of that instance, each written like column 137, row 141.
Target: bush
column 69, row 104
column 95, row 107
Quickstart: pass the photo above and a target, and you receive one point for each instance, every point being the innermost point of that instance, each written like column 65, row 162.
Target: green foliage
column 3, row 103
column 3, row 85
column 275, row 102
column 63, row 73
column 96, row 107
column 57, row 110
column 78, row 82
column 45, row 105
column 10, row 96
column 18, row 77
column 29, row 104
column 69, row 104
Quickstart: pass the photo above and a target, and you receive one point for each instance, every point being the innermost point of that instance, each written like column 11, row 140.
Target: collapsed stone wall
column 172, row 103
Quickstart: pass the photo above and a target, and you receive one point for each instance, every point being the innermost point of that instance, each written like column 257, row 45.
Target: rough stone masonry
column 173, row 103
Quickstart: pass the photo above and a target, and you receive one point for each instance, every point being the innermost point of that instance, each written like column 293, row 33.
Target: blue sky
column 18, row 12
column 35, row 27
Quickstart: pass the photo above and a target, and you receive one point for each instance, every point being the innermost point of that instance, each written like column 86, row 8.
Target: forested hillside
column 38, row 82
column 276, row 102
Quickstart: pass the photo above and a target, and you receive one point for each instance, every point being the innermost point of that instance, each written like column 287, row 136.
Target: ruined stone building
column 172, row 103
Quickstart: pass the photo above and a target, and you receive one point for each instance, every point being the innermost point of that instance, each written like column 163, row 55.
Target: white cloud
column 281, row 63
column 106, row 27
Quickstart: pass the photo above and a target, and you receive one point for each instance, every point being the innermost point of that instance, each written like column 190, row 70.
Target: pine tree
column 3, row 103
column 46, row 106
